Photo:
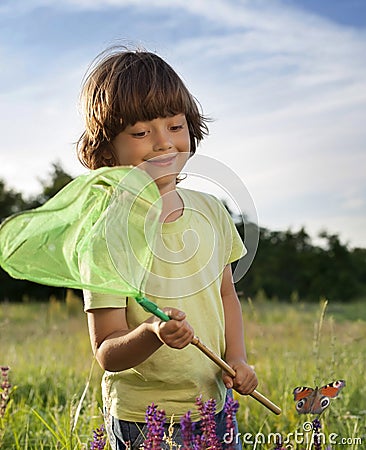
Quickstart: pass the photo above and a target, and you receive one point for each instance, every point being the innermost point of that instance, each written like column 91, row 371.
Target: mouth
column 162, row 161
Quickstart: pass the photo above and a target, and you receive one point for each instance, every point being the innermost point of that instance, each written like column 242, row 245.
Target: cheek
column 184, row 143
column 124, row 158
column 127, row 154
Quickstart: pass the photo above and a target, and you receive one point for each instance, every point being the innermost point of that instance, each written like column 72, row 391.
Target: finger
column 176, row 334
column 246, row 388
column 178, row 342
column 183, row 333
column 181, row 343
column 175, row 314
column 177, row 327
column 242, row 380
column 228, row 381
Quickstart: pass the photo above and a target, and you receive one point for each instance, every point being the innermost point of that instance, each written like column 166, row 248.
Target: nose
column 162, row 141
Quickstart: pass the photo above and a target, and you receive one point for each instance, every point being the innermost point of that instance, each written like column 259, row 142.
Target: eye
column 139, row 134
column 176, row 127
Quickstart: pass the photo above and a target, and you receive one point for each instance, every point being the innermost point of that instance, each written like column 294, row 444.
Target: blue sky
column 285, row 81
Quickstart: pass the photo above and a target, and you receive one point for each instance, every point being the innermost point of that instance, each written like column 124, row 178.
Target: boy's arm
column 117, row 348
column 245, row 380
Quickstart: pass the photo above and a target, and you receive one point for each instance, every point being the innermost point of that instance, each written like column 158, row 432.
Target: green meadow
column 47, row 348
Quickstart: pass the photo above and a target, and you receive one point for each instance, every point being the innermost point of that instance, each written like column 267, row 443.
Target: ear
column 108, row 157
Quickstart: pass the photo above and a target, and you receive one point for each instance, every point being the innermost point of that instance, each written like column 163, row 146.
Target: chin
column 165, row 181
column 162, row 175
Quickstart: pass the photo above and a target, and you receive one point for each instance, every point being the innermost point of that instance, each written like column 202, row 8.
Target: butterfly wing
column 304, row 398
column 320, row 403
column 315, row 401
column 331, row 390
column 324, row 394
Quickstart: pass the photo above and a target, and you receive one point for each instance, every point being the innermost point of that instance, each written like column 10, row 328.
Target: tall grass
column 48, row 350
column 306, row 345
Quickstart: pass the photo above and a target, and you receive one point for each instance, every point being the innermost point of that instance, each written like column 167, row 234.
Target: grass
column 305, row 344
column 48, row 350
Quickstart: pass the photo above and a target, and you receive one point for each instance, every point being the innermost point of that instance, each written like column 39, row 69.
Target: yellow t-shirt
column 189, row 258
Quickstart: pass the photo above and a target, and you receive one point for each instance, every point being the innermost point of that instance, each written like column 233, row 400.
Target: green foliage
column 49, row 354
column 301, row 344
column 58, row 179
column 12, row 202
column 287, row 263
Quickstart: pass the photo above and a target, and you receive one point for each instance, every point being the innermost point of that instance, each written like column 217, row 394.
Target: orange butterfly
column 315, row 401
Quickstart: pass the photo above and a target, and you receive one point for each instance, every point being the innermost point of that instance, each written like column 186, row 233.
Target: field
column 47, row 349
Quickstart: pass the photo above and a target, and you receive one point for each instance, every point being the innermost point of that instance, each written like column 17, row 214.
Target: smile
column 162, row 161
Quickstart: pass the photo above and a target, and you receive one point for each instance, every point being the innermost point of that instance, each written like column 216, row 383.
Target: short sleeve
column 234, row 246
column 94, row 300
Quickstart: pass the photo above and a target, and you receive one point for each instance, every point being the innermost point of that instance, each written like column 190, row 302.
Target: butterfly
column 315, row 401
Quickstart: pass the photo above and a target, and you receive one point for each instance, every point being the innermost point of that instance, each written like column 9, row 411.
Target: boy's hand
column 177, row 332
column 245, row 380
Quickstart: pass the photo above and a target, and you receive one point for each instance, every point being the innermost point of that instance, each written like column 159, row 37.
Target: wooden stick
column 225, row 366
column 152, row 307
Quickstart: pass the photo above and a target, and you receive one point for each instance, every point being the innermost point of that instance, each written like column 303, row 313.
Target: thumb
column 175, row 314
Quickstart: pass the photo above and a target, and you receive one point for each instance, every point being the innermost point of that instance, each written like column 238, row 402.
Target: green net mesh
column 97, row 233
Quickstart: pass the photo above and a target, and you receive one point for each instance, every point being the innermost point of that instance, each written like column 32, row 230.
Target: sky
column 283, row 80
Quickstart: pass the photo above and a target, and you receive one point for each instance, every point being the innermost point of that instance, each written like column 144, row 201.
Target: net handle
column 151, row 307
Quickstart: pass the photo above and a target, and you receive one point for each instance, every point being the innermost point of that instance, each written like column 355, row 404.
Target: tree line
column 287, row 264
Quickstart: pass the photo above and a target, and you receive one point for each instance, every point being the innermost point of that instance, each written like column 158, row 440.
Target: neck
column 172, row 205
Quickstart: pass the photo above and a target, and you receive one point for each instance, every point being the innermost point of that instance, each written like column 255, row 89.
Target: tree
column 57, row 179
column 288, row 262
column 11, row 202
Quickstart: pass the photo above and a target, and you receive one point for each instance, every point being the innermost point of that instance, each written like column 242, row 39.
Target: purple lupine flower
column 5, row 389
column 99, row 440
column 316, row 434
column 186, row 426
column 155, row 421
column 230, row 409
column 198, row 443
column 208, row 425
column 279, row 444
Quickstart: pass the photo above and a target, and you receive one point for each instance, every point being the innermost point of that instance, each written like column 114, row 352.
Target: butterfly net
column 97, row 234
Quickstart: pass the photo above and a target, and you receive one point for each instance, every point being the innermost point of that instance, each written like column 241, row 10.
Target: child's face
column 160, row 147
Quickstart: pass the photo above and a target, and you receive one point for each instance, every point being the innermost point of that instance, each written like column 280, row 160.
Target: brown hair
column 126, row 87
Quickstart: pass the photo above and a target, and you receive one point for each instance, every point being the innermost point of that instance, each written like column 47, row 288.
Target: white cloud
column 288, row 90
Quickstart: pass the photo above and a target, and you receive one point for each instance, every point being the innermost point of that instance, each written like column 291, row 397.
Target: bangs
column 151, row 90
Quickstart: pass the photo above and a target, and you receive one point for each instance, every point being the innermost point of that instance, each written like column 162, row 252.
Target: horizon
column 284, row 81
